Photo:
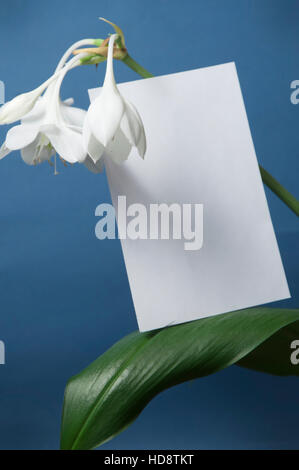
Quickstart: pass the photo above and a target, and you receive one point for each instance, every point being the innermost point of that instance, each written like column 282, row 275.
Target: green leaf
column 273, row 356
column 107, row 396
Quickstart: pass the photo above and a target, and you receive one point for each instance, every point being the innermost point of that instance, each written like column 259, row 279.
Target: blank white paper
column 200, row 151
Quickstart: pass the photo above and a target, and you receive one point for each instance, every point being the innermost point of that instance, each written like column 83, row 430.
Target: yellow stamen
column 63, row 161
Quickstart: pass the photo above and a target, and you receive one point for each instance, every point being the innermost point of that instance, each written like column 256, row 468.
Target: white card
column 200, row 151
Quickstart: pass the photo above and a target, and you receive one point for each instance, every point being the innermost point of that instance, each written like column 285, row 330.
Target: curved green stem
column 280, row 191
column 268, row 179
column 136, row 67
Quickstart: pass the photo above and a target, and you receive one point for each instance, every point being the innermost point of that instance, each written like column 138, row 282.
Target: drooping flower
column 22, row 104
column 112, row 124
column 51, row 126
column 49, row 116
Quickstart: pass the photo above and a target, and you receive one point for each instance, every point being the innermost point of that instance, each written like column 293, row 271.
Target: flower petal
column 141, row 146
column 17, row 108
column 130, row 125
column 94, row 167
column 21, row 136
column 4, row 151
column 119, row 148
column 105, row 114
column 68, row 101
column 37, row 113
column 31, row 153
column 73, row 116
column 67, row 143
column 93, row 147
column 133, row 129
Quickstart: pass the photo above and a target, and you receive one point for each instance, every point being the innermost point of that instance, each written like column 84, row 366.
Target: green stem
column 136, row 67
column 268, row 179
column 280, row 191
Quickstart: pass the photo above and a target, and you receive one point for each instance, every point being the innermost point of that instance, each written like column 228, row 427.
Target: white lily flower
column 20, row 105
column 112, row 124
column 52, row 126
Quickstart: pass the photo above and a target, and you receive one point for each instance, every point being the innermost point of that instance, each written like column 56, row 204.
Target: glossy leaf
column 108, row 395
column 273, row 356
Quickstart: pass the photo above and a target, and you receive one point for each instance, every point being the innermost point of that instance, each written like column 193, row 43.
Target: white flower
column 51, row 126
column 112, row 124
column 51, row 118
column 20, row 105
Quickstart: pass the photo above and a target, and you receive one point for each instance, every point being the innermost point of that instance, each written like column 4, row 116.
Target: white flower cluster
column 50, row 126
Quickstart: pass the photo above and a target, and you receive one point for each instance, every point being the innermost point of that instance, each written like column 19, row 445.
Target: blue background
column 64, row 295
